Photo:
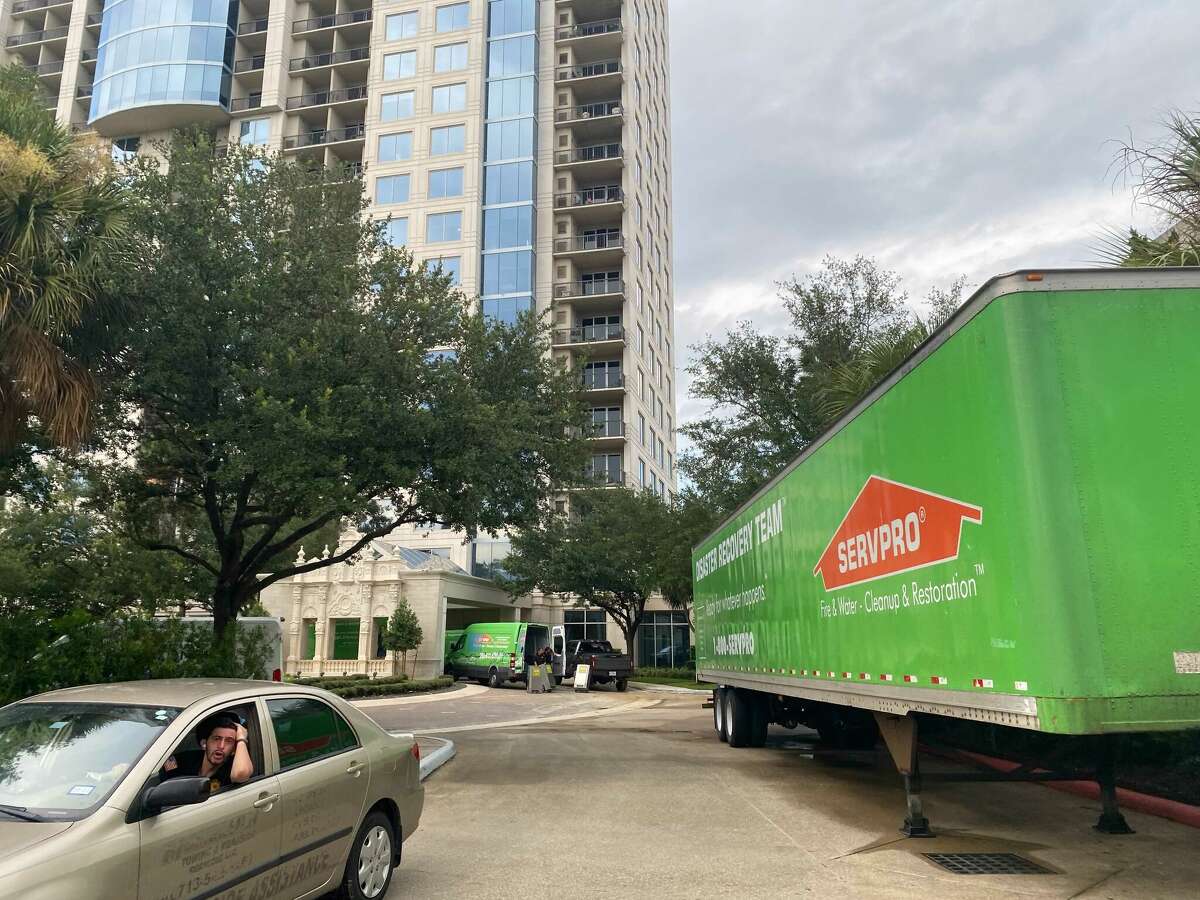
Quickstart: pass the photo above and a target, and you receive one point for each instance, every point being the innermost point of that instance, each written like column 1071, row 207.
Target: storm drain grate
column 987, row 864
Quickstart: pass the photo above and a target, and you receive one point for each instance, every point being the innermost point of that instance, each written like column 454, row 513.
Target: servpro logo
column 892, row 528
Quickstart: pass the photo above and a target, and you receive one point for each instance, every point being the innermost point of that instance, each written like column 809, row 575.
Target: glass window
column 396, row 106
column 399, row 65
column 508, row 183
column 445, row 183
column 511, row 97
column 511, row 56
column 508, row 273
column 507, row 309
column 394, row 147
column 255, row 131
column 449, row 265
column 511, row 16
column 125, row 149
column 391, row 189
column 449, row 98
column 441, row 227
column 47, row 747
column 489, row 557
column 454, row 17
column 510, row 226
column 664, row 641
column 450, row 57
column 397, row 232
column 510, row 140
column 448, row 139
column 307, row 730
column 585, row 624
column 402, row 25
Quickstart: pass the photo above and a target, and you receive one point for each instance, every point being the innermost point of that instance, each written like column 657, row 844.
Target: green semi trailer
column 1006, row 529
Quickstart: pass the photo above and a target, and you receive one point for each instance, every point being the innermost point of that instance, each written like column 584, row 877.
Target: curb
column 667, row 688
column 438, row 758
column 1149, row 804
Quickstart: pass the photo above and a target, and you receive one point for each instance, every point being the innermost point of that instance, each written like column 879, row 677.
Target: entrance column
column 320, row 651
column 295, row 636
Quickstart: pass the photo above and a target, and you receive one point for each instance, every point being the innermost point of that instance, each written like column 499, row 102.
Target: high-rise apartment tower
column 523, row 144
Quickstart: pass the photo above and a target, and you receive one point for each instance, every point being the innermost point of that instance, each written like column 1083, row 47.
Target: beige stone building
column 522, row 145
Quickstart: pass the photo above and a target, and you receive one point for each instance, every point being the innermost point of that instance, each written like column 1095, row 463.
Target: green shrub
column 329, row 682
column 383, row 687
column 677, row 674
column 37, row 656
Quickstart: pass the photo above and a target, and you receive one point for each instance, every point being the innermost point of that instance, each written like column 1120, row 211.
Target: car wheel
column 369, row 868
column 719, row 713
column 622, row 684
column 558, row 680
column 493, row 679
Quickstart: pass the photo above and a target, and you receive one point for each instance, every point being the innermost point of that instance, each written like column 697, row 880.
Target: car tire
column 719, row 714
column 370, row 865
column 493, row 679
column 622, row 684
column 558, row 680
column 739, row 716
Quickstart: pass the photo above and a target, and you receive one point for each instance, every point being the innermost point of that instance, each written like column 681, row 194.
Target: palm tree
column 61, row 229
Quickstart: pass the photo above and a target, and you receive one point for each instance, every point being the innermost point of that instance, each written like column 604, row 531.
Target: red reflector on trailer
column 416, row 751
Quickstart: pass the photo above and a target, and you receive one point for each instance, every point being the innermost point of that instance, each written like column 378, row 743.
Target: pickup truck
column 607, row 664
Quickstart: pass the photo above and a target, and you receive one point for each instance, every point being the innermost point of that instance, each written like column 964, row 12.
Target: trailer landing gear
column 900, row 735
column 1111, row 821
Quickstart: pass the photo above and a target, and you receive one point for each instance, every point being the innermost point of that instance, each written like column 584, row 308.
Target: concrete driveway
column 645, row 802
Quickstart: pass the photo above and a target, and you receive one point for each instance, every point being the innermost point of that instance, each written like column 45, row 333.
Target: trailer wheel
column 739, row 717
column 719, row 713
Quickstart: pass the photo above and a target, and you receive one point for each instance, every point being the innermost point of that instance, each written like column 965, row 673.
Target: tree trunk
column 224, row 610
column 631, row 642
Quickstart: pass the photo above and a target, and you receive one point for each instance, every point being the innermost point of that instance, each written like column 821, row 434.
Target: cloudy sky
column 943, row 138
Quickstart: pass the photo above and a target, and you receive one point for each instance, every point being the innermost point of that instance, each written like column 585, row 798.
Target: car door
column 323, row 779
column 558, row 643
column 229, row 841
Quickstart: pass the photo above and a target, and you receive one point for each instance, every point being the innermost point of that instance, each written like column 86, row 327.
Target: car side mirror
column 182, row 791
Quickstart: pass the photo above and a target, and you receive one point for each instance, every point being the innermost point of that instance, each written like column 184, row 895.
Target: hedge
column 329, row 682
column 678, row 674
column 382, row 687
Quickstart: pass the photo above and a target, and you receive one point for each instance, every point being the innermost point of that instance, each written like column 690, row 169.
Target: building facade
column 522, row 145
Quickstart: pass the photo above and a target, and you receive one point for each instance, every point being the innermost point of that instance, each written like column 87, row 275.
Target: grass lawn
column 673, row 682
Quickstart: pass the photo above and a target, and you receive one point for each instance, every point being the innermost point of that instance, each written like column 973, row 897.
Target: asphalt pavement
column 633, row 801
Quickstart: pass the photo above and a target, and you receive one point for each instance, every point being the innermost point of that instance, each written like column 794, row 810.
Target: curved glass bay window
column 161, row 62
column 509, row 150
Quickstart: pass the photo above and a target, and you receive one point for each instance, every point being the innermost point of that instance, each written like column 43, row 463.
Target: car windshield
column 61, row 760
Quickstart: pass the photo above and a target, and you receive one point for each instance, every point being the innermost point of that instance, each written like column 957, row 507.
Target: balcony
column 242, row 104
column 591, row 296
column 598, row 37
column 249, row 64
column 24, row 6
column 30, row 38
column 604, row 248
column 356, row 17
column 253, row 27
column 327, row 98
column 592, row 121
column 606, row 477
column 603, row 382
column 323, row 136
column 589, row 335
column 89, row 55
column 604, row 433
column 596, row 161
column 335, row 58
column 50, row 68
column 93, row 20
column 593, row 205
column 83, row 92
column 593, row 80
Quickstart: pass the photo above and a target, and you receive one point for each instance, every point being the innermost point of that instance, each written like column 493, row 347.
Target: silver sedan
column 198, row 788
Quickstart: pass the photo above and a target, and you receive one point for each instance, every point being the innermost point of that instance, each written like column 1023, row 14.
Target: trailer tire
column 719, row 714
column 739, row 716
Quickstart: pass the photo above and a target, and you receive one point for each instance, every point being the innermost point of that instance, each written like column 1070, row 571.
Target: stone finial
column 325, row 552
column 300, row 558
